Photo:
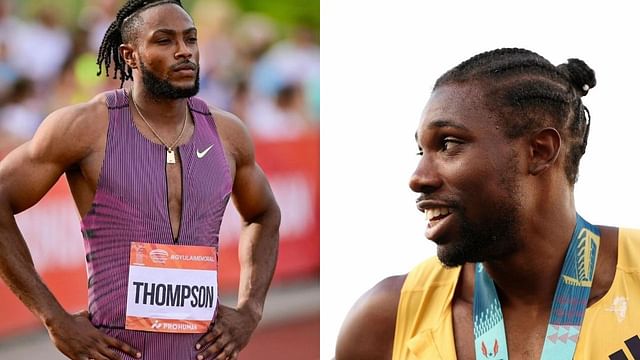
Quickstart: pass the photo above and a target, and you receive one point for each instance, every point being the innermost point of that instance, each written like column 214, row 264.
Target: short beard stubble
column 162, row 89
column 495, row 237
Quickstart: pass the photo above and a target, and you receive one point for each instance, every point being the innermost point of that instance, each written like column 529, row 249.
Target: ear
column 544, row 150
column 128, row 55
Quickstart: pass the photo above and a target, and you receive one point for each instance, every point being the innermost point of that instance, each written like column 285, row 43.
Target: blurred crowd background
column 259, row 60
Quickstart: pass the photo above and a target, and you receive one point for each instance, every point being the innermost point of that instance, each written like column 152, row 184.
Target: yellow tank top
column 610, row 329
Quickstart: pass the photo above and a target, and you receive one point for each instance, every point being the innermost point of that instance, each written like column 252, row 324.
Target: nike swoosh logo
column 201, row 154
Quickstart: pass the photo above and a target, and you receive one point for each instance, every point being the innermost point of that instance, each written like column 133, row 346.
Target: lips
column 438, row 215
column 439, row 220
column 185, row 66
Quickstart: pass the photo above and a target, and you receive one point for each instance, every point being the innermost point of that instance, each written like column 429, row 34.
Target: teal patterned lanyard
column 567, row 311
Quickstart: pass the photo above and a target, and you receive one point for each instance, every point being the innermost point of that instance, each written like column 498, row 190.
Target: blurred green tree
column 287, row 13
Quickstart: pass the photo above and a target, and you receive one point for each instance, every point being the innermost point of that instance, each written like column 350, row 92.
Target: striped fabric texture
column 131, row 204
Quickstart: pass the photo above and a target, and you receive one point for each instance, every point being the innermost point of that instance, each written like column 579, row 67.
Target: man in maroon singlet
column 151, row 169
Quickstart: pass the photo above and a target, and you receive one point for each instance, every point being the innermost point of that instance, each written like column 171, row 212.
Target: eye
column 192, row 40
column 450, row 144
column 163, row 41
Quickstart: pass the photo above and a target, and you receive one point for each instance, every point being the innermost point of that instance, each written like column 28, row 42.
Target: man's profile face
column 167, row 47
column 467, row 177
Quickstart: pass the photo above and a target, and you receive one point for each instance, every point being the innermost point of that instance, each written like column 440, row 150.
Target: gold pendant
column 171, row 157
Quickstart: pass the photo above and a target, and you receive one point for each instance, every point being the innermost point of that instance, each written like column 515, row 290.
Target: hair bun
column 581, row 76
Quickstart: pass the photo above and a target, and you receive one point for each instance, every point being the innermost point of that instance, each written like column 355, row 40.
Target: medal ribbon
column 567, row 311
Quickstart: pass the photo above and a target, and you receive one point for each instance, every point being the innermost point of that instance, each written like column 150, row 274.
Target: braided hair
column 529, row 93
column 122, row 30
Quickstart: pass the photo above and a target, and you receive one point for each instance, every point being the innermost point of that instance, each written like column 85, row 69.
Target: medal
column 567, row 311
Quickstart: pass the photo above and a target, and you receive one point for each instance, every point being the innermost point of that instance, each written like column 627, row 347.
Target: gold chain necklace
column 171, row 156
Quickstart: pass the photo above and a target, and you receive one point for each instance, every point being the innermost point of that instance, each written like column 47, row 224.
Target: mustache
column 185, row 65
column 449, row 200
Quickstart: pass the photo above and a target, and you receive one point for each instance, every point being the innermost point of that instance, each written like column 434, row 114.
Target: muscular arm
column 62, row 142
column 26, row 174
column 254, row 200
column 368, row 329
column 258, row 249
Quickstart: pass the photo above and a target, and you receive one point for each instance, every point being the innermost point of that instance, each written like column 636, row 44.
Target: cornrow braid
column 530, row 93
column 121, row 30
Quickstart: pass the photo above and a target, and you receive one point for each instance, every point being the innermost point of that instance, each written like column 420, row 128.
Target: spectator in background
column 8, row 24
column 27, row 79
column 95, row 19
column 216, row 19
column 285, row 117
column 48, row 40
column 7, row 73
column 247, row 65
column 253, row 36
column 286, row 77
column 290, row 61
column 18, row 119
column 153, row 44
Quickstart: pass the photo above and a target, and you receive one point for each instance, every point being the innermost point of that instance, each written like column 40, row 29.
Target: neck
column 530, row 276
column 167, row 111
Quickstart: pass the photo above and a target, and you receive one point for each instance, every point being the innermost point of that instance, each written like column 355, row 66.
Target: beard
column 162, row 89
column 493, row 238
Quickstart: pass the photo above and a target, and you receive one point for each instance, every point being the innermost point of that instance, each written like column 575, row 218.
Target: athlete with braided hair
column 518, row 274
column 151, row 169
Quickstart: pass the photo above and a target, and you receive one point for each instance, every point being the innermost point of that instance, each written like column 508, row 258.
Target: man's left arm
column 258, row 247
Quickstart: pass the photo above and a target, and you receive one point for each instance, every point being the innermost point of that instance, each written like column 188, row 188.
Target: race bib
column 171, row 288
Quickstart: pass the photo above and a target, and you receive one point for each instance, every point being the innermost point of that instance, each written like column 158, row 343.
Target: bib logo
column 139, row 251
column 159, row 256
column 172, row 326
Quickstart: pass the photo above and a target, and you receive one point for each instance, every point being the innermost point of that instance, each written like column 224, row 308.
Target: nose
column 183, row 51
column 426, row 177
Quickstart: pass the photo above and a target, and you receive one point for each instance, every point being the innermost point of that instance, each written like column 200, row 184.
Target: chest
column 525, row 331
column 174, row 175
column 129, row 177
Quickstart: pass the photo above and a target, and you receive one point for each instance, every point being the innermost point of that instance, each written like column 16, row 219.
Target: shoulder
column 72, row 130
column 628, row 234
column 230, row 127
column 618, row 249
column 234, row 134
column 628, row 248
column 368, row 330
column 431, row 271
column 78, row 115
column 228, row 123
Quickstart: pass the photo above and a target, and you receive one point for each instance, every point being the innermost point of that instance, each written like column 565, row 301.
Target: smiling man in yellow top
column 520, row 274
